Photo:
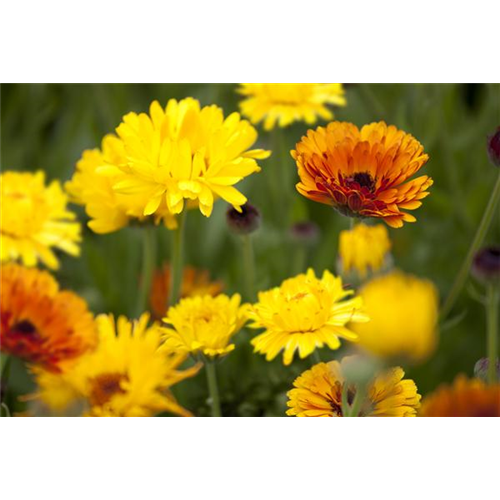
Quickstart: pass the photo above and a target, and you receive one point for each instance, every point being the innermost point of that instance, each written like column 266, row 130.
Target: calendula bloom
column 304, row 313
column 195, row 282
column 280, row 104
column 92, row 186
column 403, row 311
column 464, row 398
column 363, row 173
column 126, row 376
column 41, row 323
column 184, row 152
column 35, row 220
column 364, row 249
column 204, row 325
column 318, row 393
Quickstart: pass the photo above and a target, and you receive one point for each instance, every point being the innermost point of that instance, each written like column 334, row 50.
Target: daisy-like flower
column 363, row 173
column 318, row 393
column 464, row 398
column 184, row 152
column 280, row 104
column 304, row 313
column 204, row 325
column 35, row 220
column 41, row 323
column 126, row 376
column 390, row 300
column 92, row 186
column 195, row 282
column 364, row 249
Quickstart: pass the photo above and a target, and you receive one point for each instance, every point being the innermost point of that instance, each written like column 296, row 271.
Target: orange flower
column 40, row 323
column 362, row 173
column 195, row 282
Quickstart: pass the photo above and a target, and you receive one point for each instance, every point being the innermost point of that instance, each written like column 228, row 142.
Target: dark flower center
column 364, row 179
column 24, row 327
column 105, row 386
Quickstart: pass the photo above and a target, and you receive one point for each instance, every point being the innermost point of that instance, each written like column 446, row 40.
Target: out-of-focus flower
column 280, row 104
column 204, row 325
column 364, row 249
column 126, row 376
column 184, row 152
column 363, row 173
column 486, row 264
column 243, row 221
column 92, row 186
column 304, row 313
column 494, row 147
column 464, row 398
column 195, row 282
column 41, row 323
column 403, row 312
column 305, row 233
column 35, row 220
column 318, row 393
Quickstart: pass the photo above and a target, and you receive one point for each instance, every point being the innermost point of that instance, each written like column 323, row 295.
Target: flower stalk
column 492, row 305
column 148, row 264
column 177, row 260
column 213, row 388
column 249, row 266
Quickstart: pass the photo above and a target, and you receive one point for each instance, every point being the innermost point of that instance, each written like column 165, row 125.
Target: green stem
column 249, row 266
column 356, row 404
column 177, row 261
column 316, row 358
column 148, row 265
column 300, row 259
column 492, row 305
column 345, row 401
column 461, row 277
column 216, row 431
column 4, row 374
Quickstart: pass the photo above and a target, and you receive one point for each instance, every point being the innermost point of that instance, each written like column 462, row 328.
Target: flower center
column 25, row 328
column 105, row 386
column 363, row 179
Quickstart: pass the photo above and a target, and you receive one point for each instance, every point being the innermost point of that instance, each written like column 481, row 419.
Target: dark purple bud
column 494, row 148
column 486, row 264
column 305, row 233
column 245, row 222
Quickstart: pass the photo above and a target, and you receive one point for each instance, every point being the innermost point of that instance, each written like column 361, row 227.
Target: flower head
column 280, row 104
column 364, row 249
column 318, row 393
column 244, row 221
column 195, row 282
column 464, row 398
column 126, row 376
column 204, row 325
column 304, row 313
column 363, row 173
column 403, row 311
column 41, row 323
column 35, row 220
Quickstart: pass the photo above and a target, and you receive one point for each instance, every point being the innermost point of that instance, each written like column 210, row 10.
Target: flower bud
column 305, row 233
column 486, row 264
column 494, row 148
column 245, row 222
column 481, row 369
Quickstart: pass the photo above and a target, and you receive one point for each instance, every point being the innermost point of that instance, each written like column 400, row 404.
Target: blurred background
column 48, row 127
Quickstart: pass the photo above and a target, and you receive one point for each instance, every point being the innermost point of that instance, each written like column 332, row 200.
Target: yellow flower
column 126, row 376
column 403, row 311
column 304, row 313
column 41, row 323
column 284, row 103
column 363, row 173
column 205, row 325
column 364, row 249
column 35, row 219
column 318, row 393
column 464, row 398
column 184, row 152
column 92, row 186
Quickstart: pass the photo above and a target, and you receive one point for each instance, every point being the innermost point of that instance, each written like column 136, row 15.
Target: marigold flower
column 280, row 104
column 304, row 313
column 126, row 376
column 195, row 282
column 41, row 323
column 205, row 325
column 363, row 173
column 390, row 301
column 35, row 220
column 364, row 249
column 464, row 398
column 318, row 393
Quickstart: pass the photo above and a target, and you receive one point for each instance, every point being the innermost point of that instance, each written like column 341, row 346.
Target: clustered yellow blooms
column 205, row 325
column 280, row 104
column 161, row 159
column 35, row 220
column 318, row 393
column 304, row 314
column 364, row 249
column 403, row 312
column 126, row 376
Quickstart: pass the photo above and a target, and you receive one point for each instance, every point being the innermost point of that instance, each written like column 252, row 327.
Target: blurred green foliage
column 48, row 126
